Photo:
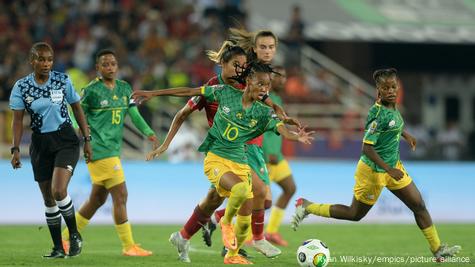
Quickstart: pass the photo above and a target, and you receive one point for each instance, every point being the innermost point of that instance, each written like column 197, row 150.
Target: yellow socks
column 432, row 237
column 242, row 230
column 81, row 223
column 319, row 209
column 275, row 219
column 125, row 235
column 238, row 195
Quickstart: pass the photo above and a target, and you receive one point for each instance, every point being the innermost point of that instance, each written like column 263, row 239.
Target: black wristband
column 87, row 138
column 13, row 149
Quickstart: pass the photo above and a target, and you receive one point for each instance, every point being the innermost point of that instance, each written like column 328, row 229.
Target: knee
column 49, row 202
column 259, row 193
column 267, row 204
column 240, row 190
column 290, row 190
column 98, row 201
column 59, row 194
column 211, row 202
column 419, row 207
column 120, row 199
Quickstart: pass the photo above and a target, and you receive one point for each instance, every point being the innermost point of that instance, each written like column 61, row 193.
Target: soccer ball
column 313, row 253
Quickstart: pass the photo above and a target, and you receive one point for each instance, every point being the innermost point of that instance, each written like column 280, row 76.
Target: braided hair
column 382, row 74
column 252, row 68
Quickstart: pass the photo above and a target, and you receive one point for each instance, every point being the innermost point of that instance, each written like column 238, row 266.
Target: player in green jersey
column 380, row 167
column 106, row 101
column 279, row 170
column 240, row 118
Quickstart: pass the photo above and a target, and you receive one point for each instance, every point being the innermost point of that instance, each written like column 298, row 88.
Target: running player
column 106, row 101
column 240, row 117
column 279, row 170
column 379, row 167
column 231, row 58
column 260, row 46
column 54, row 148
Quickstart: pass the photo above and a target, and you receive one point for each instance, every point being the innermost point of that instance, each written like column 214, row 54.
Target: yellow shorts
column 106, row 172
column 280, row 171
column 369, row 183
column 215, row 166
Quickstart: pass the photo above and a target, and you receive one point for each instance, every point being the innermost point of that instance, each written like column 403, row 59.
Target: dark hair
column 382, row 74
column 227, row 51
column 102, row 52
column 252, row 68
column 39, row 46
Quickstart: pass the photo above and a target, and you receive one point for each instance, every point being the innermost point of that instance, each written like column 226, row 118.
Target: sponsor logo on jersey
column 253, row 123
column 392, row 123
column 29, row 99
column 239, row 115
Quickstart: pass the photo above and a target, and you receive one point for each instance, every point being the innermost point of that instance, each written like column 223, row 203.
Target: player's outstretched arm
column 142, row 126
column 280, row 112
column 141, row 96
column 178, row 120
column 411, row 140
column 371, row 153
column 301, row 135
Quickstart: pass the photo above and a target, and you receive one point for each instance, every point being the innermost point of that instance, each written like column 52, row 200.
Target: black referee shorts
column 53, row 149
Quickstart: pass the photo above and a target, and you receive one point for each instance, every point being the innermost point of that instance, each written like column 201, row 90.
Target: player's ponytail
column 227, row 51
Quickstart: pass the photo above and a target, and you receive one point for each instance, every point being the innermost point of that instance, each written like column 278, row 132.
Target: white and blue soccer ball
column 313, row 253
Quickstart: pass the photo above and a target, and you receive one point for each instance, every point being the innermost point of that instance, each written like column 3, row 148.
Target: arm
column 141, row 95
column 410, row 139
column 142, row 125
column 301, row 136
column 178, row 120
column 17, row 127
column 81, row 119
column 369, row 151
column 279, row 111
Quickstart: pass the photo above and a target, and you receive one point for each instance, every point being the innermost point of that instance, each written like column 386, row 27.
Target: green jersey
column 233, row 125
column 272, row 144
column 384, row 127
column 105, row 111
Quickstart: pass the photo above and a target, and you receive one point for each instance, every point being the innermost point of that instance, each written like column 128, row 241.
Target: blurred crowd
column 160, row 44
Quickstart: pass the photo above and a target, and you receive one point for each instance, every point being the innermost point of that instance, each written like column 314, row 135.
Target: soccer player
column 279, row 170
column 240, row 117
column 106, row 101
column 380, row 167
column 260, row 46
column 54, row 148
column 231, row 58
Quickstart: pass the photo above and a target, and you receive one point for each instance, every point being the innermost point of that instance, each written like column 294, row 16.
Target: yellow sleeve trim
column 279, row 124
column 202, row 90
column 368, row 142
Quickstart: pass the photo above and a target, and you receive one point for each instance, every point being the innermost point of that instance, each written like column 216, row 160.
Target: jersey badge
column 226, row 110
column 373, row 126
column 115, row 97
column 57, row 96
column 239, row 115
column 252, row 123
column 104, row 103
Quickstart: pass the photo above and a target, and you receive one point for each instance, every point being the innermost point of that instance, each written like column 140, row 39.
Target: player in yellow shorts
column 279, row 170
column 380, row 167
column 106, row 101
column 240, row 117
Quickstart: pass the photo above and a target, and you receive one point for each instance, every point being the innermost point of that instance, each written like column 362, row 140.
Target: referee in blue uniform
column 54, row 148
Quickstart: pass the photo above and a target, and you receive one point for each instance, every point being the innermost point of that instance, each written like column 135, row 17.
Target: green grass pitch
column 23, row 246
